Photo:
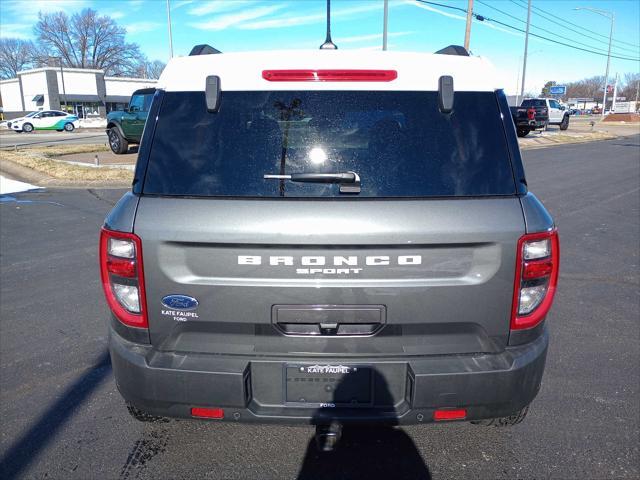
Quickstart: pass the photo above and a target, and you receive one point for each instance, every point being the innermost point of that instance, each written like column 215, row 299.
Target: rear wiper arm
column 349, row 181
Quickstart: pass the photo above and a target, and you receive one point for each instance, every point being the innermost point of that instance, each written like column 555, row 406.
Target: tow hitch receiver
column 328, row 436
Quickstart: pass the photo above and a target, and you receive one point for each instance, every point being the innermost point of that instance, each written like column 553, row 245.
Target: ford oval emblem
column 180, row 302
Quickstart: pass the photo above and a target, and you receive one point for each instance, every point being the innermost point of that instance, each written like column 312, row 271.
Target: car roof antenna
column 328, row 44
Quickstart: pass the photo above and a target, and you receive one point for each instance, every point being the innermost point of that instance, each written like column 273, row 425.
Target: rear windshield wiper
column 349, row 181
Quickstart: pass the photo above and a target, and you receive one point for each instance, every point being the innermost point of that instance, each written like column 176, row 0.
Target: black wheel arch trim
column 118, row 127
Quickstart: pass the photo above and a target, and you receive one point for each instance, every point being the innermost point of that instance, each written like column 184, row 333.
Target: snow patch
column 13, row 186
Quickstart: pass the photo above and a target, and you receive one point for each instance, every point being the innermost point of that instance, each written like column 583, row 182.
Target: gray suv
column 328, row 246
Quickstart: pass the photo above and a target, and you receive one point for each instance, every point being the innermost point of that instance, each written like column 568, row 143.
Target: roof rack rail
column 203, row 49
column 454, row 50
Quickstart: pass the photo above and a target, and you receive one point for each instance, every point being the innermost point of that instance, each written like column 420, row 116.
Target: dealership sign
column 558, row 89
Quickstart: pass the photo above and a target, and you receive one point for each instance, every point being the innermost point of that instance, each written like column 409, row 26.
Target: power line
column 544, row 29
column 553, row 19
column 484, row 18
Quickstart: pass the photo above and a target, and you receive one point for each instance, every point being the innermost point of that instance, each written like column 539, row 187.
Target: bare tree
column 630, row 86
column 87, row 40
column 15, row 55
column 586, row 88
column 154, row 69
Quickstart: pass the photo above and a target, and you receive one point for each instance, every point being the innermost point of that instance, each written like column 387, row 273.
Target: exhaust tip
column 328, row 436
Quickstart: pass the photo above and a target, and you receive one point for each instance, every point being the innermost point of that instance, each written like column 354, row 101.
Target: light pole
column 64, row 93
column 611, row 16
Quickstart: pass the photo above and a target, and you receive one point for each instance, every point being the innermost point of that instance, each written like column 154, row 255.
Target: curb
column 29, row 175
column 535, row 143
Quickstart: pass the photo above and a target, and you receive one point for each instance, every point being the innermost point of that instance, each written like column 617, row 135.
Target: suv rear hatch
column 420, row 262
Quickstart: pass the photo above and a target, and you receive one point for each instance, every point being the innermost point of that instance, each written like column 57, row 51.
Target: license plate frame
column 328, row 385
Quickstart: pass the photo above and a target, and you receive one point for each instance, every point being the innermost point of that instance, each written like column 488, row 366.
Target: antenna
column 328, row 44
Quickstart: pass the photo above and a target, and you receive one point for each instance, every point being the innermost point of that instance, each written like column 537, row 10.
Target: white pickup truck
column 558, row 114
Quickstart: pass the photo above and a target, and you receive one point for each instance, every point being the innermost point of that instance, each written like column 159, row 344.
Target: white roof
column 243, row 71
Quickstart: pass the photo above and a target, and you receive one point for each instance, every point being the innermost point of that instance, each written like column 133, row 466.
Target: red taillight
column 449, row 414
column 121, row 266
column 123, row 277
column 531, row 114
column 201, row 412
column 329, row 75
column 536, row 279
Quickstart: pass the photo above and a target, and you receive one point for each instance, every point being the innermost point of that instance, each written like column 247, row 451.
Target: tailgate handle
column 328, row 320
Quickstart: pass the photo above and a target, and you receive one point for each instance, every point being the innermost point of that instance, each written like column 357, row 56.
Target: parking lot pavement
column 62, row 417
column 42, row 139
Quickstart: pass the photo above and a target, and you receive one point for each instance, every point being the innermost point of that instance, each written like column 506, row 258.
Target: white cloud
column 16, row 30
column 182, row 3
column 205, row 8
column 27, row 11
column 233, row 19
column 373, row 36
column 293, row 21
column 135, row 4
column 116, row 14
column 141, row 27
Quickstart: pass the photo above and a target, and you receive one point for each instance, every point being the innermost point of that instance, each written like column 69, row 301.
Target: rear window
column 534, row 103
column 398, row 143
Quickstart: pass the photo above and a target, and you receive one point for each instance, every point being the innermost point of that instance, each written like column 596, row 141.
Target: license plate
column 328, row 385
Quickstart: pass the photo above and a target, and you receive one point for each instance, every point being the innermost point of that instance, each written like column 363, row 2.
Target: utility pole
column 467, row 32
column 169, row 26
column 526, row 47
column 606, row 75
column 384, row 24
column 518, row 83
column 611, row 16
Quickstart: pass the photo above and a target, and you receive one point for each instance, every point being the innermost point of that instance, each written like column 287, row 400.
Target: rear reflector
column 457, row 414
column 329, row 75
column 200, row 412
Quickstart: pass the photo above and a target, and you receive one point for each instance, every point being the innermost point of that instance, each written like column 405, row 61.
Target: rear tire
column 69, row 127
column 27, row 128
column 522, row 132
column 509, row 421
column 565, row 123
column 142, row 416
column 117, row 142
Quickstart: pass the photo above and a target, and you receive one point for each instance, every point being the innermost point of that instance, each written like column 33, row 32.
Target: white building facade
column 85, row 92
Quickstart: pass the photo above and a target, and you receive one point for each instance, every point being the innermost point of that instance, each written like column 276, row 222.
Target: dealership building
column 85, row 92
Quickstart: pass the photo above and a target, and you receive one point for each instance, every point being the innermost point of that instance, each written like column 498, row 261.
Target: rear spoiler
column 203, row 49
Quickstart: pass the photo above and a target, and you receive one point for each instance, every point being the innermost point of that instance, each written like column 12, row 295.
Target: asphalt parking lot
column 62, row 417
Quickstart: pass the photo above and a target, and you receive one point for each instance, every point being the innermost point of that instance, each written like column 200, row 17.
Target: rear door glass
column 398, row 143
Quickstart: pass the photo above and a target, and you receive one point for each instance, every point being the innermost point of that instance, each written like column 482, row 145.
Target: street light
column 611, row 16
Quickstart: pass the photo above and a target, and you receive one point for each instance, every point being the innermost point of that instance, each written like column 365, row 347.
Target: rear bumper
column 402, row 392
column 531, row 124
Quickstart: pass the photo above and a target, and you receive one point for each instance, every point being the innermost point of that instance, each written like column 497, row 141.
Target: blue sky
column 239, row 25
